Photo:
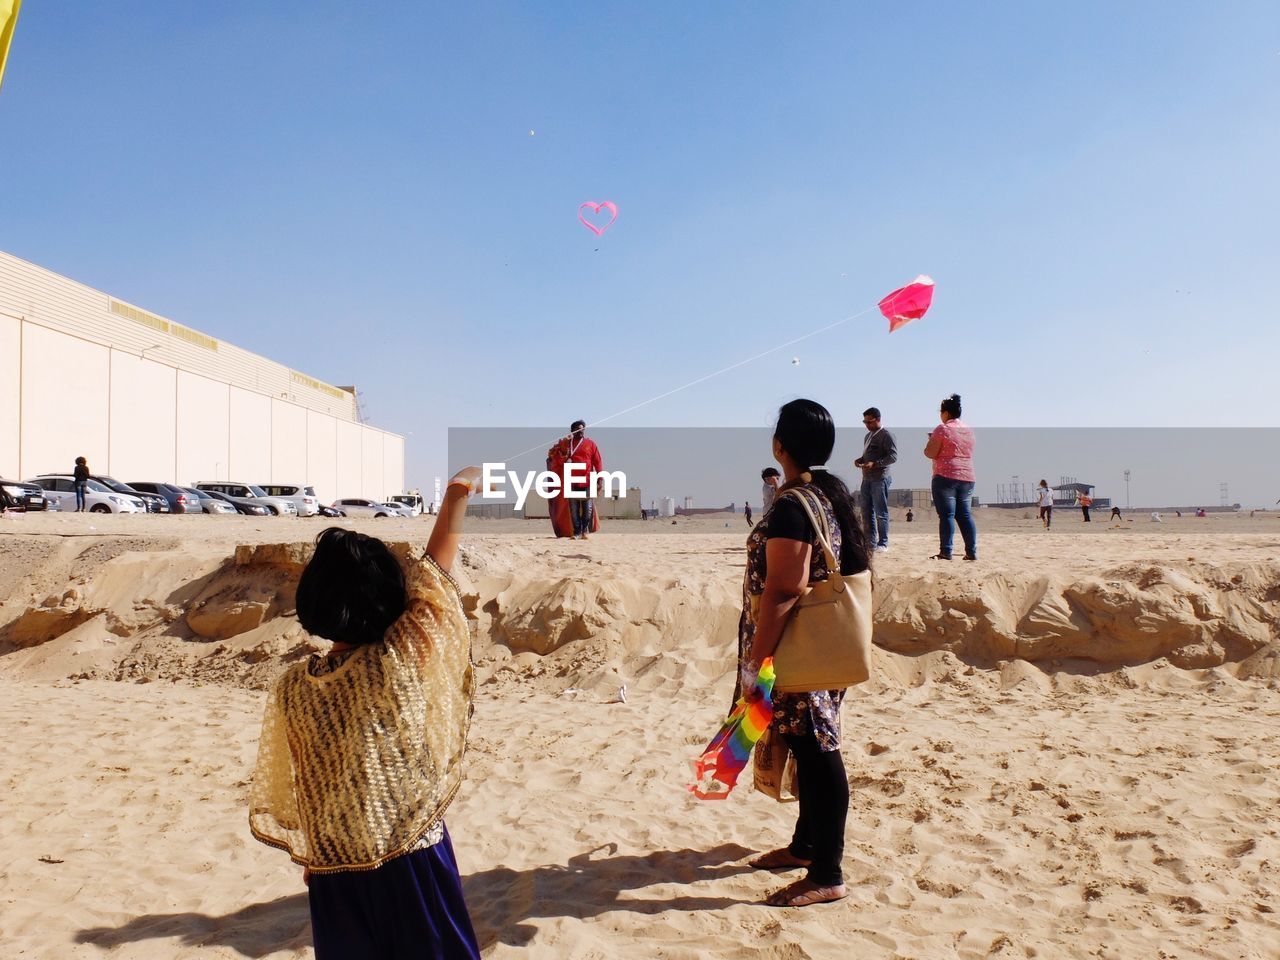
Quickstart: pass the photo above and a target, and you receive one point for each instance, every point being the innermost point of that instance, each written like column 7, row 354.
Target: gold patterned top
column 357, row 763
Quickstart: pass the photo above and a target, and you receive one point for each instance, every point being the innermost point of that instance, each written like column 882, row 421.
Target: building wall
column 10, row 394
column 66, row 385
column 76, row 380
column 59, row 303
column 322, row 454
column 143, row 411
column 288, row 442
column 204, row 428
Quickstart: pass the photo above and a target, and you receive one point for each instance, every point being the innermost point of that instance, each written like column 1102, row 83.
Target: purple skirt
column 410, row 907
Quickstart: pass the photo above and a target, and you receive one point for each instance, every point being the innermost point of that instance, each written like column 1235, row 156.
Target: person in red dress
column 574, row 513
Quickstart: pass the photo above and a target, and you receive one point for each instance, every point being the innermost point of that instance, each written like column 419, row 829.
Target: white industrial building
column 143, row 398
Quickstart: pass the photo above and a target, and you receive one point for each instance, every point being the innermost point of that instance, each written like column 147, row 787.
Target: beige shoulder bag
column 826, row 643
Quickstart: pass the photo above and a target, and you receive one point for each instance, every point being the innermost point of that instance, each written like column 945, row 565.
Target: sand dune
column 1068, row 749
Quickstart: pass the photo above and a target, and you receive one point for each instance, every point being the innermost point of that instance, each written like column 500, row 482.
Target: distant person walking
column 950, row 447
column 82, row 482
column 1085, row 502
column 746, row 509
column 771, row 478
column 879, row 451
column 910, row 516
column 1045, row 502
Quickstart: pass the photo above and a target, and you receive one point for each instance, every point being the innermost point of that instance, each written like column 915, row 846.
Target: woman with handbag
column 812, row 522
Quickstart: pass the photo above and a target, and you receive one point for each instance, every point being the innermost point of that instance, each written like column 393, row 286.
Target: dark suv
column 15, row 495
column 179, row 500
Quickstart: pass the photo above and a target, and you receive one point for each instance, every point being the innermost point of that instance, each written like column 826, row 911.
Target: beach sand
column 1068, row 749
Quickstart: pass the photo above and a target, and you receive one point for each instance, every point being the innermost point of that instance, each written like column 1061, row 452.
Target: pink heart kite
column 907, row 303
column 596, row 208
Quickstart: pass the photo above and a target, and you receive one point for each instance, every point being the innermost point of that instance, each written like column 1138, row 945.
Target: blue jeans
column 581, row 511
column 951, row 498
column 81, row 487
column 875, row 510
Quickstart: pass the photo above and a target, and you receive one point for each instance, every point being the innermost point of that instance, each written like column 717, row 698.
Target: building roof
column 1075, row 487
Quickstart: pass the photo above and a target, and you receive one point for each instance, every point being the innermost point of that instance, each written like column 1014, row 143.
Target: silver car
column 248, row 491
column 360, row 507
column 97, row 498
column 209, row 503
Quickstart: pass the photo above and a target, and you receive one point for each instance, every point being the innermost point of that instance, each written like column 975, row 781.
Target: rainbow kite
column 907, row 303
column 716, row 772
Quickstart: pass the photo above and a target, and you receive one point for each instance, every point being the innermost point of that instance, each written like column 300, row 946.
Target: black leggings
column 824, row 805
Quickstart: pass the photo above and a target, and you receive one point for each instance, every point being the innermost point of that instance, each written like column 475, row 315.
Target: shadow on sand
column 501, row 900
column 253, row 931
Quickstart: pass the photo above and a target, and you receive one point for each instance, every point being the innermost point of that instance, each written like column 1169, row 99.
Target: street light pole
column 1126, row 489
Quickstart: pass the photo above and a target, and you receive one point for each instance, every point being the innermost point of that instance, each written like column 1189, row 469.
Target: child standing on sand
column 361, row 749
column 1045, row 500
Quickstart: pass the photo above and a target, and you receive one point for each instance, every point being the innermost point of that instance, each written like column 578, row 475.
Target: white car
column 278, row 506
column 359, row 507
column 304, row 498
column 398, row 509
column 98, row 498
column 411, row 500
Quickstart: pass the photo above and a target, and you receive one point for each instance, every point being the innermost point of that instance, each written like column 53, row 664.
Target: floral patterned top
column 796, row 714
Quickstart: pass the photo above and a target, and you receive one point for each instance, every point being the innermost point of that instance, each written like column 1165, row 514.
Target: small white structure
column 667, row 507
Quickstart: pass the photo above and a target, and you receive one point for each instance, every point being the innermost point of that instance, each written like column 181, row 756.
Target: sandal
column 804, row 893
column 780, row 859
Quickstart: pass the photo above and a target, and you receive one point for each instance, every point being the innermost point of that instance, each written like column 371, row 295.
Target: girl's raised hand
column 468, row 478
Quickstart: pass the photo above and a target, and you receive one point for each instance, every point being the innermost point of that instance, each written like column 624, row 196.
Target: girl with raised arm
column 362, row 747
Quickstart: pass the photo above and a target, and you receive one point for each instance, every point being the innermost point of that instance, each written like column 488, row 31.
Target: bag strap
column 823, row 529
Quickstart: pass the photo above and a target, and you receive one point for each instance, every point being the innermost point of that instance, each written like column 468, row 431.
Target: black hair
column 873, row 412
column 768, row 472
column 81, row 460
column 576, row 424
column 352, row 590
column 952, row 406
column 807, row 433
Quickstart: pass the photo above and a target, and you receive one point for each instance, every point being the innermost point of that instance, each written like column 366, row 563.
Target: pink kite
column 908, row 303
column 608, row 205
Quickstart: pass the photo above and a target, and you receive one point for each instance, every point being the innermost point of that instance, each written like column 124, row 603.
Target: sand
column 1068, row 749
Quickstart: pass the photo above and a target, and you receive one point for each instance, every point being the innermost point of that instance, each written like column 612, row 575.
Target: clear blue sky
column 351, row 189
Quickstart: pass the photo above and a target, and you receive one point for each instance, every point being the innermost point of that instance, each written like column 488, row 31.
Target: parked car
column 304, row 498
column 413, row 501
column 359, row 507
column 97, row 498
column 211, row 504
column 398, row 509
column 248, row 491
column 179, row 500
column 252, row 508
column 15, row 495
column 154, row 501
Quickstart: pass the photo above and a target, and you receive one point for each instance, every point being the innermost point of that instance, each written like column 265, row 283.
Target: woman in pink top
column 950, row 447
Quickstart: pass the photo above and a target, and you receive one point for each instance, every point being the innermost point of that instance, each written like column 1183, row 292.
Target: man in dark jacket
column 878, row 451
column 81, row 476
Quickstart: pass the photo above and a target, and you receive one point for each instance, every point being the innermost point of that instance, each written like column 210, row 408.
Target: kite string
column 708, row 376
